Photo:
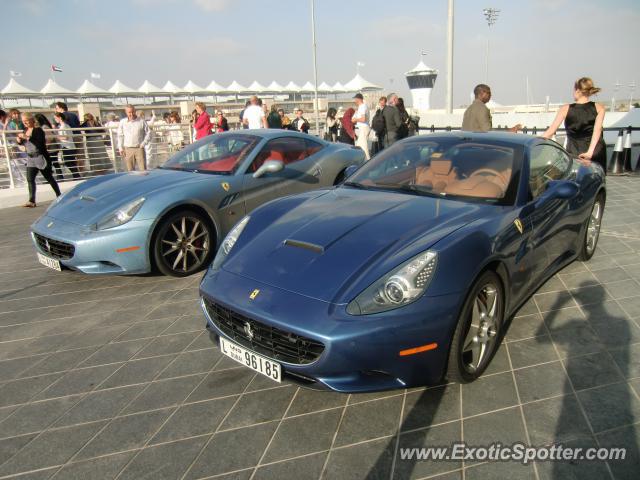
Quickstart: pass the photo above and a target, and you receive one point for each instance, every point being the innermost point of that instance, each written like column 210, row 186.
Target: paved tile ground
column 116, row 378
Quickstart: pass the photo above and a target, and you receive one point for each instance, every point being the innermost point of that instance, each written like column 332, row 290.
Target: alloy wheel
column 593, row 229
column 485, row 324
column 185, row 244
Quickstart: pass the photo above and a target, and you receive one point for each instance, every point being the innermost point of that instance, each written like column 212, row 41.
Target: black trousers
column 70, row 161
column 46, row 172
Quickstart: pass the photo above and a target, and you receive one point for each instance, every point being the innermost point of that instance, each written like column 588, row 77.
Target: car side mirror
column 350, row 170
column 270, row 166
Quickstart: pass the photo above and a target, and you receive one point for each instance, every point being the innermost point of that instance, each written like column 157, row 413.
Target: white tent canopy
column 214, row 87
column 148, row 88
column 192, row 88
column 171, row 88
column 325, row 87
column 53, row 88
column 88, row 88
column 358, row 84
column 337, row 87
column 235, row 87
column 275, row 87
column 256, row 87
column 292, row 87
column 119, row 88
column 307, row 87
column 13, row 89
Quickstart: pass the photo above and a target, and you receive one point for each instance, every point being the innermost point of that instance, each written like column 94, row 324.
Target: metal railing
column 86, row 152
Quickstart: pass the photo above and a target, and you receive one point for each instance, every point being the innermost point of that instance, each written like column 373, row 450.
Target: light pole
column 315, row 66
column 449, row 100
column 491, row 14
column 632, row 87
column 616, row 87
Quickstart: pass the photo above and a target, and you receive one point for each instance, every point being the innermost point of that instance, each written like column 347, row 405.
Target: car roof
column 269, row 133
column 482, row 137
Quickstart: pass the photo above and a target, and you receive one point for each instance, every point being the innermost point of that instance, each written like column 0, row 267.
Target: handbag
column 35, row 157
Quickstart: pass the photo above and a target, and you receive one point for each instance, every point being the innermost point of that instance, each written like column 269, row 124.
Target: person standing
column 33, row 140
column 300, row 124
column 254, row 116
column 176, row 137
column 222, row 125
column 361, row 121
column 71, row 118
column 583, row 122
column 392, row 120
column 331, row 126
column 477, row 117
column 286, row 121
column 346, row 134
column 94, row 144
column 274, row 120
column 67, row 145
column 378, row 125
column 202, row 125
column 133, row 136
column 14, row 120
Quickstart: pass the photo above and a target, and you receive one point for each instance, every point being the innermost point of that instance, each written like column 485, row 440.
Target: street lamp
column 315, row 66
column 491, row 14
column 616, row 87
column 632, row 87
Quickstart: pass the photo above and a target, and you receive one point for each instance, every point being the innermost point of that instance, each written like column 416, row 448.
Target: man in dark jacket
column 72, row 119
column 392, row 120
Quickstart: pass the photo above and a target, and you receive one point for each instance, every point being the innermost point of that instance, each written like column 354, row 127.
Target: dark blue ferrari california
column 407, row 272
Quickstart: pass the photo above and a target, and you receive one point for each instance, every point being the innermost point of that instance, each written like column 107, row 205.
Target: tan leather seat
column 437, row 175
column 478, row 186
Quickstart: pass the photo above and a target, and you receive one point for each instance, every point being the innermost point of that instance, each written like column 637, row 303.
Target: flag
column 55, row 69
column 15, row 74
column 361, row 64
column 95, row 75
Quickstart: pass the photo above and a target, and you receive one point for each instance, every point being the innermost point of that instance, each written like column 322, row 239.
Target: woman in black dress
column 583, row 123
column 35, row 136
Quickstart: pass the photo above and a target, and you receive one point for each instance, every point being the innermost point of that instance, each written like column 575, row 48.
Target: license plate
column 49, row 262
column 250, row 359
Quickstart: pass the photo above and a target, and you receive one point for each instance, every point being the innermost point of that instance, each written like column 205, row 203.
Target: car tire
column 477, row 334
column 184, row 244
column 592, row 229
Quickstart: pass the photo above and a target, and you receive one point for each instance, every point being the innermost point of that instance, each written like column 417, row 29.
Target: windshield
column 442, row 166
column 219, row 154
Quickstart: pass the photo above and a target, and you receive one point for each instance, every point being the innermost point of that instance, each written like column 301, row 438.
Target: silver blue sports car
column 173, row 218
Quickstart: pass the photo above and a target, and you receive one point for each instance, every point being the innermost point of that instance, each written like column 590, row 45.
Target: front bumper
column 96, row 251
column 361, row 353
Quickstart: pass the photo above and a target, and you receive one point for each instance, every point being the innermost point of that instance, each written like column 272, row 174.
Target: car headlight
column 400, row 287
column 228, row 243
column 122, row 215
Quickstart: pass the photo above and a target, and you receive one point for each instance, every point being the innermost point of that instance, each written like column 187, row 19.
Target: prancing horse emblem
column 248, row 330
column 254, row 294
column 50, row 224
column 519, row 225
column 226, row 186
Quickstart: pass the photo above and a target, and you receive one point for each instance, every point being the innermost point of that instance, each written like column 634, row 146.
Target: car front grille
column 270, row 341
column 55, row 248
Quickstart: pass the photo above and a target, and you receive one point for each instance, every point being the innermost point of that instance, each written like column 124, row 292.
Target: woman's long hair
column 42, row 120
column 347, row 124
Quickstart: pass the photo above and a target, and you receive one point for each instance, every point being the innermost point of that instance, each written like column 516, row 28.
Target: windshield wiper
column 407, row 188
column 356, row 185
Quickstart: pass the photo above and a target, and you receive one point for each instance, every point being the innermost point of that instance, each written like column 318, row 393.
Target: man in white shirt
column 361, row 120
column 254, row 116
column 133, row 136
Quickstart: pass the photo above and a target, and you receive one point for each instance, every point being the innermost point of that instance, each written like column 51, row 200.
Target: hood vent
column 306, row 245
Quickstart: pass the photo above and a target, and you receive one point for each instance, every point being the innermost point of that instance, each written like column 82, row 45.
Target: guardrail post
column 433, row 128
column 525, row 130
column 6, row 152
column 113, row 150
column 535, row 131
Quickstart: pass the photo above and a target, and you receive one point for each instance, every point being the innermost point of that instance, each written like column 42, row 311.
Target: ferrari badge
column 226, row 186
column 518, row 223
column 254, row 294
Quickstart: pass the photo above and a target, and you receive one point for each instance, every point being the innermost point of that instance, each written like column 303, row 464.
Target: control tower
column 421, row 80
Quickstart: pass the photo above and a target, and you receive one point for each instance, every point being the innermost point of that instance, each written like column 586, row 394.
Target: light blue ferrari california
column 174, row 217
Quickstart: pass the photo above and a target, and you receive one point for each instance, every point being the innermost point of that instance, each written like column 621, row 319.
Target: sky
column 550, row 43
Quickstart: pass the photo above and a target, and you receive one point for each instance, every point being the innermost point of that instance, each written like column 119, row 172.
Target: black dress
column 579, row 123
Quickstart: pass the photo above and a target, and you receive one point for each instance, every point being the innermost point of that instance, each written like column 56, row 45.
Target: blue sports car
column 406, row 272
column 174, row 217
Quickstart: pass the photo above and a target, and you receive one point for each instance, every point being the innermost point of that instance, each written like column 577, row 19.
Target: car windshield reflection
column 217, row 154
column 442, row 167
